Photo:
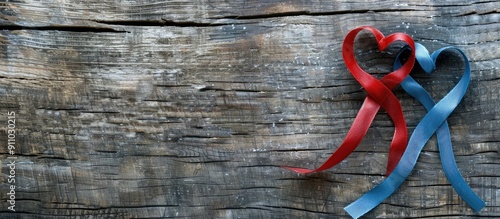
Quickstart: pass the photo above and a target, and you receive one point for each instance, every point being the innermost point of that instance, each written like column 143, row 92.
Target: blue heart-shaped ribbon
column 433, row 122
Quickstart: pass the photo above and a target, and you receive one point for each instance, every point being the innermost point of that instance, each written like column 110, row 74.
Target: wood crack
column 173, row 23
column 62, row 28
column 158, row 23
column 309, row 13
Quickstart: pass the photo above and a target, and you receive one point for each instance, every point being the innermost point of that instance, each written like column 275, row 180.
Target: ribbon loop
column 379, row 95
column 433, row 122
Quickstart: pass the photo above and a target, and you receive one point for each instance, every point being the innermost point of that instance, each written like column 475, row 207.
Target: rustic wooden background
column 187, row 109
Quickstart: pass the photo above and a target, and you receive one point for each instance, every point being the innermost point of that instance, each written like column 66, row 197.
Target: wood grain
column 158, row 109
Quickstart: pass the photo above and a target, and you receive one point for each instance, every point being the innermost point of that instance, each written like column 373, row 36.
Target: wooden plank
column 179, row 109
column 93, row 12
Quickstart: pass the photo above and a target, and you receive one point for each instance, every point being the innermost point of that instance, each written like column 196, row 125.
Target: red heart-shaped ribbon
column 379, row 95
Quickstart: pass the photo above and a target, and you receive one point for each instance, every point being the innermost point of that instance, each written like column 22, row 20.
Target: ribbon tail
column 358, row 130
column 451, row 170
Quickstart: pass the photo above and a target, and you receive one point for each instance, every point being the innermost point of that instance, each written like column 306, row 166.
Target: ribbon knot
column 433, row 122
column 379, row 95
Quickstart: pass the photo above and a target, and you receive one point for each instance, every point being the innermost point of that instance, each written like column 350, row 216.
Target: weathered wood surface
column 187, row 108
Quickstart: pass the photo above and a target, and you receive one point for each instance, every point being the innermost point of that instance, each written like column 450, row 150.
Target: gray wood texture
column 187, row 109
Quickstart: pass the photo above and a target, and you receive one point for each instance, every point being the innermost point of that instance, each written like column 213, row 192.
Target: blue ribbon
column 433, row 122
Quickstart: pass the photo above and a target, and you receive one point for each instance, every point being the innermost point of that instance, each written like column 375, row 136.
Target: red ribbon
column 379, row 95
